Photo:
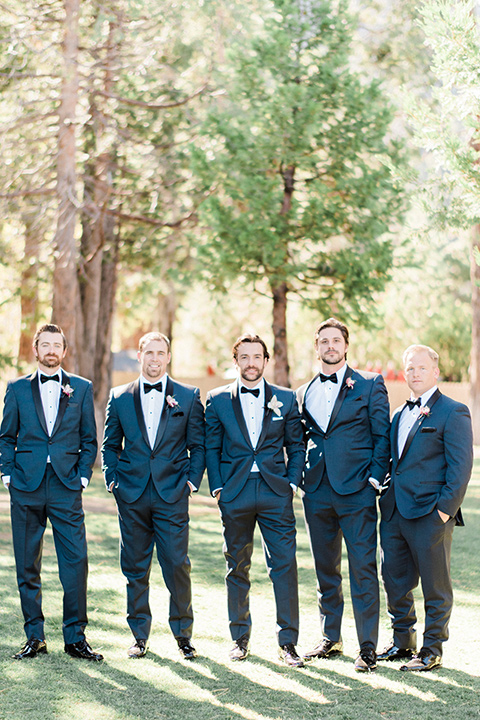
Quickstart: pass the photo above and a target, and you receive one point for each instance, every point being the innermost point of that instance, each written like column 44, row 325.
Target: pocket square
column 178, row 414
column 277, row 418
column 428, row 429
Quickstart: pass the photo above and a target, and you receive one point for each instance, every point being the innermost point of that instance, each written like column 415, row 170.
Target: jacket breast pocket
column 428, row 429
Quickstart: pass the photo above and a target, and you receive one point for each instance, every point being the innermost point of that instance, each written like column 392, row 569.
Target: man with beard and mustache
column 255, row 455
column 346, row 419
column 153, row 458
column 48, row 444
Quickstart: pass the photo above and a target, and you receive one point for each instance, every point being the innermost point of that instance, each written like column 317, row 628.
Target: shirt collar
column 426, row 396
column 163, row 380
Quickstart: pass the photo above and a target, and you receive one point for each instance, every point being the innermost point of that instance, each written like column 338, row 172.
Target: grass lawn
column 163, row 686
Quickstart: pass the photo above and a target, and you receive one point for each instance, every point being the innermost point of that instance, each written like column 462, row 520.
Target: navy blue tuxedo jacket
column 355, row 445
column 178, row 455
column 230, row 454
column 24, row 441
column 436, row 463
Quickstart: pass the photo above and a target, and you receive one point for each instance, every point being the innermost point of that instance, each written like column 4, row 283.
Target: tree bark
column 65, row 281
column 475, row 356
column 279, row 327
column 29, row 287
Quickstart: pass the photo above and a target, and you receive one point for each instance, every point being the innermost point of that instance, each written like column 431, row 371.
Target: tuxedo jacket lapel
column 340, row 398
column 394, row 436
column 165, row 414
column 63, row 402
column 416, row 425
column 37, row 401
column 267, row 414
column 303, row 408
column 237, row 409
column 138, row 410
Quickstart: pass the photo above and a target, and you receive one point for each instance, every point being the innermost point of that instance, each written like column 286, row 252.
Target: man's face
column 250, row 362
column 49, row 351
column 154, row 359
column 421, row 372
column 331, row 348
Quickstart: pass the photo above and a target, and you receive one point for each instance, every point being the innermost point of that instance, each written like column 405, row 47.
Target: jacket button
column 326, row 437
column 50, row 442
column 152, row 457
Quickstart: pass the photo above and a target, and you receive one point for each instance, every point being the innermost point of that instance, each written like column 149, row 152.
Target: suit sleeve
column 196, row 440
column 294, row 443
column 88, row 435
column 112, row 441
column 9, row 431
column 379, row 417
column 214, row 443
column 458, row 448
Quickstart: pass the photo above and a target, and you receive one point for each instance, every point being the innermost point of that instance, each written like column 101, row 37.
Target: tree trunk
column 279, row 326
column 475, row 357
column 167, row 304
column 65, row 282
column 29, row 287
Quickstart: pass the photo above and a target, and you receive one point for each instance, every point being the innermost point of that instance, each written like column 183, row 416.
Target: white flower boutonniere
column 350, row 383
column 67, row 390
column 275, row 405
column 171, row 402
column 424, row 412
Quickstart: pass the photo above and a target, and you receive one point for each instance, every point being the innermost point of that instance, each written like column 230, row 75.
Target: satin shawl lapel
column 417, row 424
column 37, row 401
column 340, row 397
column 138, row 410
column 394, row 433
column 237, row 409
column 62, row 405
column 267, row 414
column 304, row 411
column 164, row 417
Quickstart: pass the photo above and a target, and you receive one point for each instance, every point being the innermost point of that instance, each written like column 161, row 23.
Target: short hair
column 334, row 323
column 148, row 337
column 432, row 354
column 248, row 338
column 50, row 328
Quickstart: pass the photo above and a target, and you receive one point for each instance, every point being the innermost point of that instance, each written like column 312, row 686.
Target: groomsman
column 48, row 444
column 432, row 455
column 153, row 459
column 346, row 419
column 255, row 457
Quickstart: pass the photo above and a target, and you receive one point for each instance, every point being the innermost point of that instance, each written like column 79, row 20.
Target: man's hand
column 110, row 487
column 445, row 518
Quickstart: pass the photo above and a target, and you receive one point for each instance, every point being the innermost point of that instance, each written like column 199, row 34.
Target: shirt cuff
column 294, row 487
column 192, row 486
column 84, row 482
column 6, row 480
column 216, row 491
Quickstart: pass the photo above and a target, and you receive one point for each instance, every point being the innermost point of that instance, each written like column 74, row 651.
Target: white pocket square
column 277, row 418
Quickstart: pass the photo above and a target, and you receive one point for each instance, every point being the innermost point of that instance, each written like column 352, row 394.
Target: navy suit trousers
column 30, row 511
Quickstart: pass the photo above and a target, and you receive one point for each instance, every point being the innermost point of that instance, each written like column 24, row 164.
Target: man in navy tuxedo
column 346, row 420
column 432, row 455
column 255, row 455
column 48, row 445
column 153, row 458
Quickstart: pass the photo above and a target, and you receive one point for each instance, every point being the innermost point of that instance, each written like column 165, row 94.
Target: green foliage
column 296, row 158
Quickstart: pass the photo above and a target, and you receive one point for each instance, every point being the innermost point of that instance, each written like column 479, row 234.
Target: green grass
column 162, row 686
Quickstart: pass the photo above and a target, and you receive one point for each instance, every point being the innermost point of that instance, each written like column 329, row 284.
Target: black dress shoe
column 138, row 649
column 393, row 652
column 186, row 649
column 289, row 655
column 31, row 649
column 326, row 649
column 422, row 661
column 366, row 661
column 82, row 650
column 240, row 649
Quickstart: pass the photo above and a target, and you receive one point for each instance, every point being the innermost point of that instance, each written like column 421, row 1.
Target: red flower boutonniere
column 350, row 383
column 67, row 390
column 424, row 412
column 171, row 402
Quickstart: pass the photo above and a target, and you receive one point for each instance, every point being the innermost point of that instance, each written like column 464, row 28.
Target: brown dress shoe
column 392, row 652
column 326, row 649
column 240, row 649
column 289, row 655
column 366, row 661
column 31, row 649
column 423, row 661
column 138, row 649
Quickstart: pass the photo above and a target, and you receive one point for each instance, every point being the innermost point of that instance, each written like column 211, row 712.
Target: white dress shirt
column 321, row 397
column 253, row 412
column 152, row 406
column 409, row 417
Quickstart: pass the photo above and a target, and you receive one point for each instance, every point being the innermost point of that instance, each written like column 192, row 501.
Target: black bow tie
column 413, row 403
column 332, row 378
column 147, row 387
column 254, row 391
column 46, row 378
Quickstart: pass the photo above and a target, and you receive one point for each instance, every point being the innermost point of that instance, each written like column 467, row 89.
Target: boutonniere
column 350, row 383
column 67, row 390
column 275, row 405
column 424, row 412
column 171, row 402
